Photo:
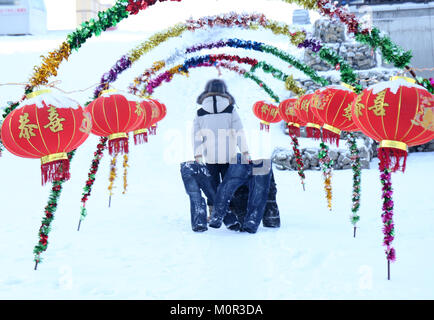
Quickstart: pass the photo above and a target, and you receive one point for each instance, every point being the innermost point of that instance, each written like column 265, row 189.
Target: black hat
column 215, row 87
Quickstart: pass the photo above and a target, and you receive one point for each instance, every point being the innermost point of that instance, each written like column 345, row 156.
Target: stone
column 333, row 154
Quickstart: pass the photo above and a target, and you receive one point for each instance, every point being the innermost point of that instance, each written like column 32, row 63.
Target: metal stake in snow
column 110, row 200
column 388, row 269
column 355, row 231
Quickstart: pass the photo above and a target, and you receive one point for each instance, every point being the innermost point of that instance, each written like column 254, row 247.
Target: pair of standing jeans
column 256, row 176
column 197, row 178
column 271, row 218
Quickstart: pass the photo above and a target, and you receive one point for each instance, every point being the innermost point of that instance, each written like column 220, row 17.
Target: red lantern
column 141, row 133
column 113, row 116
column 304, row 112
column 267, row 113
column 333, row 106
column 287, row 113
column 46, row 126
column 397, row 114
column 158, row 113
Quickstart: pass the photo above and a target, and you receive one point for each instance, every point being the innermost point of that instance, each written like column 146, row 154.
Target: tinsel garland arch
column 123, row 8
column 181, row 69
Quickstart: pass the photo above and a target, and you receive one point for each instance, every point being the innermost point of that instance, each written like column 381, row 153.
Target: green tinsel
column 391, row 52
column 251, row 76
column 310, row 72
column 426, row 84
column 106, row 19
column 356, row 167
column 49, row 210
column 348, row 75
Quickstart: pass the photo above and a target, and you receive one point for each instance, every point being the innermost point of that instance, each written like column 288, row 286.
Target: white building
column 22, row 17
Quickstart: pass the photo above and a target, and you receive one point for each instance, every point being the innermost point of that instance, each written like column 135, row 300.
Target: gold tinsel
column 50, row 64
column 328, row 190
column 279, row 28
column 291, row 85
column 112, row 174
column 155, row 40
column 125, row 172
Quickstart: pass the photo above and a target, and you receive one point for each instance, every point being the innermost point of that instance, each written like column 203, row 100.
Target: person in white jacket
column 218, row 131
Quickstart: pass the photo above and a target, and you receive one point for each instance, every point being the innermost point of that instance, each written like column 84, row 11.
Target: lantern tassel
column 264, row 126
column 153, row 130
column 313, row 133
column 118, row 145
column 294, row 131
column 55, row 171
column 141, row 138
column 390, row 158
column 330, row 137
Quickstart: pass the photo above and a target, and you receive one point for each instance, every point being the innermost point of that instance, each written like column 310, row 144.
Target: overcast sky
column 61, row 13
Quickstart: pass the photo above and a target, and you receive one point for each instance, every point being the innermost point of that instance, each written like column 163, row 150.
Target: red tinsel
column 218, row 57
column 55, row 171
column 134, row 6
column 390, row 158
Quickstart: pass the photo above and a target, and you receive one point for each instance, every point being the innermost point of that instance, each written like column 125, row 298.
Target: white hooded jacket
column 218, row 131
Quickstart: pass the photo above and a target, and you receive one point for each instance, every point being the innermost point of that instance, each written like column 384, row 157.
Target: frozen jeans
column 256, row 176
column 271, row 218
column 197, row 178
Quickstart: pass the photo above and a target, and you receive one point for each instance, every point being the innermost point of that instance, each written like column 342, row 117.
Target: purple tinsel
column 387, row 215
column 122, row 64
column 311, row 44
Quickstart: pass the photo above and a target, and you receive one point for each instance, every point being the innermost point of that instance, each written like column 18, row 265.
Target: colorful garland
column 327, row 168
column 298, row 159
column 49, row 211
column 206, row 60
column 357, row 172
column 126, row 166
column 232, row 43
column 98, row 154
column 387, row 216
column 122, row 8
column 112, row 177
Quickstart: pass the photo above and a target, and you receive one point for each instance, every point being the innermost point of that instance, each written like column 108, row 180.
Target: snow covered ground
column 143, row 247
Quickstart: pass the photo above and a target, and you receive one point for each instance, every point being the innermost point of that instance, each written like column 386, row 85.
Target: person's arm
column 197, row 141
column 240, row 136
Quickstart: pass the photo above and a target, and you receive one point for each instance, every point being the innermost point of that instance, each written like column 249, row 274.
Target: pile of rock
column 332, row 34
column 284, row 158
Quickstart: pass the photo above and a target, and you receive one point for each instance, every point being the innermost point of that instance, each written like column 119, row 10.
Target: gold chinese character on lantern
column 379, row 104
column 425, row 118
column 139, row 109
column 55, row 123
column 273, row 113
column 358, row 106
column 264, row 108
column 305, row 105
column 26, row 128
column 86, row 124
column 347, row 112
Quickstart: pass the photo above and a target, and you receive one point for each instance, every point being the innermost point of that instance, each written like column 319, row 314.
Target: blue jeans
column 217, row 172
column 197, row 178
column 271, row 218
column 256, row 176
